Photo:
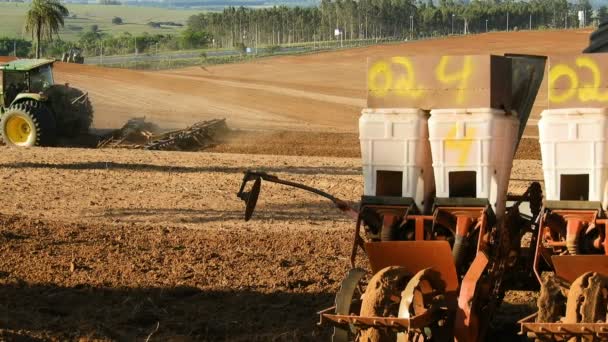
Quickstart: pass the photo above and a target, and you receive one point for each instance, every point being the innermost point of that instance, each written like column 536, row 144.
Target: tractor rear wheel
column 72, row 109
column 28, row 123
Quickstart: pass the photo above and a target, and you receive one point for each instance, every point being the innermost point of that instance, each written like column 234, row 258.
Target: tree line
column 362, row 19
column 368, row 19
column 94, row 42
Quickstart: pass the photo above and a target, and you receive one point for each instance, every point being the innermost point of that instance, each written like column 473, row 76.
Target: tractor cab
column 34, row 111
column 24, row 78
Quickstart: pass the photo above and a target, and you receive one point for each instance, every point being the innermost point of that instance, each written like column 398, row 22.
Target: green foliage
column 365, row 19
column 125, row 43
column 135, row 18
column 165, row 23
column 602, row 14
column 271, row 28
column 44, row 19
column 241, row 48
column 585, row 6
column 56, row 48
column 90, row 38
column 180, row 63
column 75, row 28
column 7, row 46
column 273, row 49
column 191, row 39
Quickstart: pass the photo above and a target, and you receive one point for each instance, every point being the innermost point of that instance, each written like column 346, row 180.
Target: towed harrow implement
column 141, row 134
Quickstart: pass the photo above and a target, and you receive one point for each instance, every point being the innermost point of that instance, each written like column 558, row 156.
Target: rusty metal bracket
column 467, row 319
column 530, row 327
column 399, row 324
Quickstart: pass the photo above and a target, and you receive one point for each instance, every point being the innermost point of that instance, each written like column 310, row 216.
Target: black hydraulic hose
column 459, row 250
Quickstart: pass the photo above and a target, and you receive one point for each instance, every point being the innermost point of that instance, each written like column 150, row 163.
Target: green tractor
column 34, row 111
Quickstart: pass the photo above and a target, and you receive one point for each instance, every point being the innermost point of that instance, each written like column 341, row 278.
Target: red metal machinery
column 571, row 260
column 572, row 265
column 436, row 276
column 438, row 264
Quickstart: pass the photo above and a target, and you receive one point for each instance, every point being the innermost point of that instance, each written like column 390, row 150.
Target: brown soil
column 528, row 148
column 292, row 143
column 118, row 282
column 316, row 92
column 109, row 244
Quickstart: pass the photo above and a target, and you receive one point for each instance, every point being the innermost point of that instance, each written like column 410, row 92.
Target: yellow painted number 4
column 461, row 77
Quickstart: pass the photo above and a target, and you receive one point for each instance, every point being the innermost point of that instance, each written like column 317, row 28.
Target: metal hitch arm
column 251, row 197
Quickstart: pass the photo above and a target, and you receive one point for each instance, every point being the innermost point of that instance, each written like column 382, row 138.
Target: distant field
column 134, row 17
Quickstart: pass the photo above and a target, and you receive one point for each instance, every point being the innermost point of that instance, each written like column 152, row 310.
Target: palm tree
column 44, row 19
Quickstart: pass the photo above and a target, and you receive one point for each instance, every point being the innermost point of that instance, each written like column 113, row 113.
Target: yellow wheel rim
column 18, row 130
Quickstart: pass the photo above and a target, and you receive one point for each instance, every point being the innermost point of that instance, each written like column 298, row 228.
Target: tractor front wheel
column 28, row 123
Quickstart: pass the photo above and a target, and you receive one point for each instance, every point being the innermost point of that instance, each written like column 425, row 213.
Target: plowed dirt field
column 138, row 245
column 315, row 92
column 109, row 243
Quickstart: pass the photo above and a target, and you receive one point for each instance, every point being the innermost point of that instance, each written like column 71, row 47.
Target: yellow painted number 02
column 380, row 78
column 587, row 92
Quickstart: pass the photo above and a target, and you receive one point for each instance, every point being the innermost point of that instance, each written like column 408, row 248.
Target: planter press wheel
column 425, row 291
column 349, row 289
column 587, row 300
column 381, row 300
